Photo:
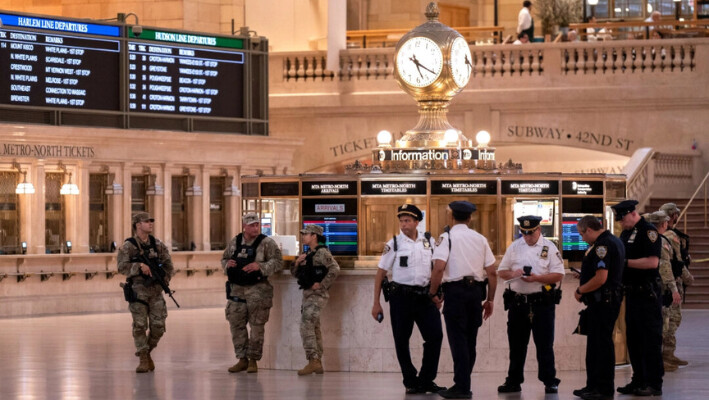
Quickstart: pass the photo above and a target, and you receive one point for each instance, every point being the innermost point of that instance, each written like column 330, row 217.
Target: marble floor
column 91, row 357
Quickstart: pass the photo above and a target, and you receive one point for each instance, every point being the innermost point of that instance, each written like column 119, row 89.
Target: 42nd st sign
column 568, row 137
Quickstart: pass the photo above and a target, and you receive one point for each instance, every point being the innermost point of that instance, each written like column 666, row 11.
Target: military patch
column 652, row 235
column 601, row 251
column 545, row 252
column 386, row 249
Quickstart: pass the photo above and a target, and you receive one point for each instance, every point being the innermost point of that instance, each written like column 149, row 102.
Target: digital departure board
column 56, row 69
column 166, row 78
column 340, row 233
column 148, row 79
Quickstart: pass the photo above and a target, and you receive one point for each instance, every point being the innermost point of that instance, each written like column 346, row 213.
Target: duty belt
column 531, row 298
column 409, row 289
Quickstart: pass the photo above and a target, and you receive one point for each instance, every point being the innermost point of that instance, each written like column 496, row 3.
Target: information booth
column 358, row 212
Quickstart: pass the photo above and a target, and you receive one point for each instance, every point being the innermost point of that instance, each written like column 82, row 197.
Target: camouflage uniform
column 258, row 300
column 153, row 315
column 673, row 314
column 313, row 303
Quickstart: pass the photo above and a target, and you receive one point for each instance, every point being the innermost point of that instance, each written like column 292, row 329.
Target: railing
column 641, row 30
column 683, row 214
column 639, row 171
column 495, row 61
column 363, row 39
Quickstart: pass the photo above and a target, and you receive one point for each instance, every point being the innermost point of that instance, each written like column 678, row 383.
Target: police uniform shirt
column 608, row 253
column 469, row 254
column 410, row 264
column 543, row 257
column 641, row 241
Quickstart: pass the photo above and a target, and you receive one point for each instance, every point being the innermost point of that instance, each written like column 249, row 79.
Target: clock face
column 461, row 62
column 419, row 61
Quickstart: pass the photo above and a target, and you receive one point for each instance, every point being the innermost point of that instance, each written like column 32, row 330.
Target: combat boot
column 240, row 366
column 252, row 367
column 675, row 360
column 144, row 365
column 314, row 367
column 151, row 364
column 669, row 367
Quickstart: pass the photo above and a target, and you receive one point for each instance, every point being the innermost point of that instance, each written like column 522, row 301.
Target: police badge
column 545, row 252
column 601, row 251
column 652, row 235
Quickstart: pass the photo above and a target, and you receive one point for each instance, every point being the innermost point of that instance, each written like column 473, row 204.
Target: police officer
column 680, row 261
column 600, row 289
column 463, row 262
column 249, row 259
column 643, row 316
column 531, row 301
column 147, row 305
column 408, row 258
column 316, row 270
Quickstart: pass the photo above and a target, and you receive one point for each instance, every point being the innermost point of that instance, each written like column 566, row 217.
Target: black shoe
column 509, row 388
column 627, row 389
column 647, row 391
column 553, row 388
column 582, row 391
column 454, row 393
column 594, row 395
column 430, row 388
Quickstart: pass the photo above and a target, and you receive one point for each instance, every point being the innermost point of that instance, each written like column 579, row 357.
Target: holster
column 582, row 327
column 386, row 288
column 129, row 294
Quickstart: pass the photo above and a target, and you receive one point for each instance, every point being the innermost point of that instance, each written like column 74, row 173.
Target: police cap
column 528, row 223
column 624, row 208
column 462, row 209
column 410, row 210
column 250, row 218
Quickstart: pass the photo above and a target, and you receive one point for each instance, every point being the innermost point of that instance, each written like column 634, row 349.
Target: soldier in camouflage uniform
column 316, row 270
column 148, row 309
column 674, row 317
column 660, row 220
column 249, row 259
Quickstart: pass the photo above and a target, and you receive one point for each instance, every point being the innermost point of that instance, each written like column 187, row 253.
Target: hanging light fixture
column 23, row 187
column 68, row 188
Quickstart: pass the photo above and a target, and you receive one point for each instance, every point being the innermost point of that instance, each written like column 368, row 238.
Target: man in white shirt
column 464, row 262
column 525, row 22
column 407, row 257
column 533, row 266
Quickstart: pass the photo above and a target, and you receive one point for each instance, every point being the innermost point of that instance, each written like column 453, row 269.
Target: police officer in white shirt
column 531, row 299
column 408, row 258
column 464, row 262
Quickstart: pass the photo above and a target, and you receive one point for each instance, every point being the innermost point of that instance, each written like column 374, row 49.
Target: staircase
column 697, row 296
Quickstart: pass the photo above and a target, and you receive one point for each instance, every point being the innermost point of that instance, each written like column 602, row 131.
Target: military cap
column 528, row 223
column 312, row 228
column 410, row 210
column 250, row 218
column 670, row 208
column 141, row 217
column 657, row 217
column 462, row 209
column 624, row 208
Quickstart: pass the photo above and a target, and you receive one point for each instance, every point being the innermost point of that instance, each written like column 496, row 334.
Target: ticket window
column 280, row 217
column 98, row 213
column 180, row 220
column 55, row 223
column 9, row 213
column 217, row 213
column 515, row 207
column 380, row 222
column 484, row 220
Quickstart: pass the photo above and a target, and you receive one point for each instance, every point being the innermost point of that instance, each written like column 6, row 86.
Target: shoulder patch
column 439, row 240
column 652, row 235
column 601, row 251
column 386, row 249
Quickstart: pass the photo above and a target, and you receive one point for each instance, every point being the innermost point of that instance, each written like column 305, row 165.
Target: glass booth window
column 180, row 222
column 280, row 217
column 547, row 208
column 9, row 213
column 217, row 213
column 98, row 213
column 54, row 224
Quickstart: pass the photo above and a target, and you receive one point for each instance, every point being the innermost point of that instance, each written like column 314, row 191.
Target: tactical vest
column 310, row 274
column 245, row 255
column 150, row 252
column 677, row 265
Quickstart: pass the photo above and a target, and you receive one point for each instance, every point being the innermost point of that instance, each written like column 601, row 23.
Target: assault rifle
column 158, row 275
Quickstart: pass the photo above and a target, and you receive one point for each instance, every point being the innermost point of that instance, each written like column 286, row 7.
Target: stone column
column 32, row 223
column 123, row 226
column 205, row 224
column 80, row 202
column 166, row 215
column 114, row 201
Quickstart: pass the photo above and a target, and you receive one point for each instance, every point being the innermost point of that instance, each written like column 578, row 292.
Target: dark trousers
column 643, row 318
column 463, row 313
column 407, row 309
column 600, row 349
column 541, row 326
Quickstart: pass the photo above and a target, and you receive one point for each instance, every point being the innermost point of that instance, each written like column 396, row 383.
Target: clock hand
column 418, row 66
column 467, row 62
